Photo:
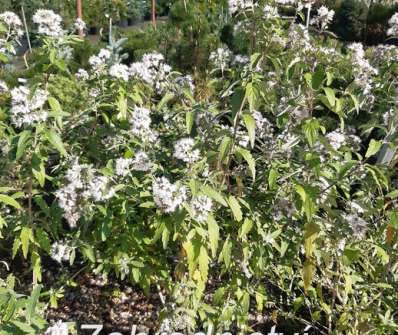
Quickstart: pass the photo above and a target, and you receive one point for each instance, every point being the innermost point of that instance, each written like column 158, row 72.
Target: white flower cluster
column 393, row 23
column 168, row 197
column 220, row 58
column 49, row 23
column 201, row 207
column 358, row 225
column 152, row 70
column 270, row 12
column 60, row 251
column 3, row 87
column 79, row 24
column 82, row 75
column 263, row 126
column 82, row 185
column 120, row 71
column 123, row 166
column 140, row 123
column 60, row 328
column 336, row 139
column 184, row 150
column 13, row 25
column 27, row 109
column 238, row 5
column 241, row 60
column 383, row 54
column 140, row 162
column 323, row 18
column 98, row 62
column 286, row 2
column 364, row 71
column 185, row 82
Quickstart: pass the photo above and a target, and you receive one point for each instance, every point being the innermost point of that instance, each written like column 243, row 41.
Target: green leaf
column 246, row 227
column 247, row 156
column 252, row 94
column 26, row 236
column 272, row 179
column 251, row 127
column 224, row 148
column 203, row 263
column 245, row 303
column 166, row 98
column 214, row 234
column 32, row 302
column 22, row 143
column 330, row 95
column 55, row 106
column 122, row 106
column 56, row 141
column 9, row 201
column 88, row 251
column 308, row 274
column 235, row 208
column 225, row 254
column 212, row 193
column 189, row 118
column 374, row 147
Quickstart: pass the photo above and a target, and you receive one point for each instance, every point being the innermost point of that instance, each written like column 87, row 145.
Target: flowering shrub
column 276, row 196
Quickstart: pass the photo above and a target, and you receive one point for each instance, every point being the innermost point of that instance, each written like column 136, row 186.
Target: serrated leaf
column 224, row 148
column 203, row 263
column 235, row 208
column 22, row 143
column 308, row 274
column 26, row 236
column 250, row 124
column 189, row 118
column 374, row 147
column 246, row 227
column 32, row 302
column 56, row 141
column 330, row 95
column 9, row 201
column 247, row 156
column 214, row 234
column 212, row 193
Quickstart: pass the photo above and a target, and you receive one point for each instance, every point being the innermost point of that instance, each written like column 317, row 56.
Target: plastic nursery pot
column 123, row 23
column 92, row 31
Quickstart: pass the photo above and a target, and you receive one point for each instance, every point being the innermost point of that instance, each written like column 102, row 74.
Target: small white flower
column 336, row 139
column 323, row 18
column 98, row 62
column 201, row 207
column 270, row 12
column 60, row 251
column 3, row 87
column 13, row 22
column 27, row 109
column 60, row 328
column 119, row 71
column 141, row 162
column 237, row 5
column 82, row 74
column 79, row 24
column 358, row 225
column 49, row 22
column 123, row 166
column 168, row 197
column 220, row 58
column 393, row 23
column 183, row 149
